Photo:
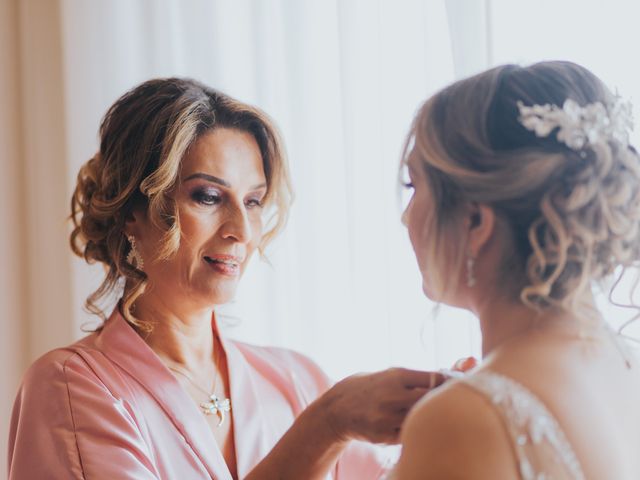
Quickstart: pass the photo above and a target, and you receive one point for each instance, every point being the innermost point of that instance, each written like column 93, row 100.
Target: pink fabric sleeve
column 67, row 424
column 364, row 460
column 359, row 459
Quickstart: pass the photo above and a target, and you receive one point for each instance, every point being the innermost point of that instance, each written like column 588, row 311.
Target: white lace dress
column 541, row 448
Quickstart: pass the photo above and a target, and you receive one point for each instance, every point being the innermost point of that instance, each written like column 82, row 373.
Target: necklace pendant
column 218, row 407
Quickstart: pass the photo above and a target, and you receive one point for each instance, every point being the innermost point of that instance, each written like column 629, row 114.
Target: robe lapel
column 252, row 429
column 124, row 347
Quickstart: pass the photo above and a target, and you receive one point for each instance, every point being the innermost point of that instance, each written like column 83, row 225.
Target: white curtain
column 342, row 286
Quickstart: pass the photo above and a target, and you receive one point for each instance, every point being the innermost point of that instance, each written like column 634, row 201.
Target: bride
column 525, row 184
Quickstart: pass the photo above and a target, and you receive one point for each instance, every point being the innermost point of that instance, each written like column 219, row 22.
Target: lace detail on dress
column 542, row 450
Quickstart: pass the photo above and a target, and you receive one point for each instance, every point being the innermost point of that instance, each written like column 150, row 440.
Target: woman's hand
column 372, row 407
column 368, row 407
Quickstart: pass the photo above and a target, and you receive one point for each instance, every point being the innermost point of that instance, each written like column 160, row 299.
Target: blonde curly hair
column 143, row 139
column 574, row 217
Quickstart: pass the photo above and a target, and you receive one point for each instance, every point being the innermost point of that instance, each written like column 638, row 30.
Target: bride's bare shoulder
column 452, row 433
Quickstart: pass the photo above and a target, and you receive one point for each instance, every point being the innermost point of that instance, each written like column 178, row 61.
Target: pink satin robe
column 106, row 407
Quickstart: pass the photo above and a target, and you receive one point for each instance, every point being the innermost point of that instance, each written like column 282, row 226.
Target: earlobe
column 131, row 224
column 129, row 228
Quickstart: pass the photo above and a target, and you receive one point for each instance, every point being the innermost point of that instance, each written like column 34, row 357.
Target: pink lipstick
column 225, row 264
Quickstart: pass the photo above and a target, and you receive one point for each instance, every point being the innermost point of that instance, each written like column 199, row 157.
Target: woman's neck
column 179, row 336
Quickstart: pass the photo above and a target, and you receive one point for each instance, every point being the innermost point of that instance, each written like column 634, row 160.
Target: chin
column 220, row 298
column 433, row 296
column 438, row 297
column 215, row 294
column 427, row 288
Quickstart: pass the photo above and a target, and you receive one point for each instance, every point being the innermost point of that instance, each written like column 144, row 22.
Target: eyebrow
column 219, row 181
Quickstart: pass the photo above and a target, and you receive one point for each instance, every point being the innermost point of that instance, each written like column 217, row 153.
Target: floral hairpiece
column 579, row 127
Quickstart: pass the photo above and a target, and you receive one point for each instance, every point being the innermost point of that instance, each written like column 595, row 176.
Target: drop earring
column 471, row 277
column 133, row 257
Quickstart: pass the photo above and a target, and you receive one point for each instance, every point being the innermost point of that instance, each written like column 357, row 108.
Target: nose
column 237, row 226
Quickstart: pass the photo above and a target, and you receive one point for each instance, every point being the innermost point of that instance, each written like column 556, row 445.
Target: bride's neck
column 505, row 319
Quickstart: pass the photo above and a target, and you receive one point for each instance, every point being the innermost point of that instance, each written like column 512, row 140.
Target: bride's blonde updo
column 573, row 214
column 143, row 139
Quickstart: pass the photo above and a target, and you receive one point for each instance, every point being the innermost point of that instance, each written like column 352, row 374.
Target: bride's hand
column 372, row 407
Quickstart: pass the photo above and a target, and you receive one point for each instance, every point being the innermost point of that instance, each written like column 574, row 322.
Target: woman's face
column 416, row 217
column 219, row 200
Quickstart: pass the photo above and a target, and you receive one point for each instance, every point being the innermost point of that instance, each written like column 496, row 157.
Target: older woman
column 173, row 206
column 526, row 187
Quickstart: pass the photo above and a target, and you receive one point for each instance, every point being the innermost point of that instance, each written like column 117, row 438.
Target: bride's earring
column 134, row 258
column 471, row 277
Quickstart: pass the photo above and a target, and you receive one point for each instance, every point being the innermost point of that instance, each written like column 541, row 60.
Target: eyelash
column 254, row 202
column 211, row 199
column 407, row 185
column 205, row 198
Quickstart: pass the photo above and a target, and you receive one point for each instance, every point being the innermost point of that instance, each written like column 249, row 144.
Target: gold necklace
column 214, row 405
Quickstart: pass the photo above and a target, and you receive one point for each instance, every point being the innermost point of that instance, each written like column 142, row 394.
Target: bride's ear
column 481, row 222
